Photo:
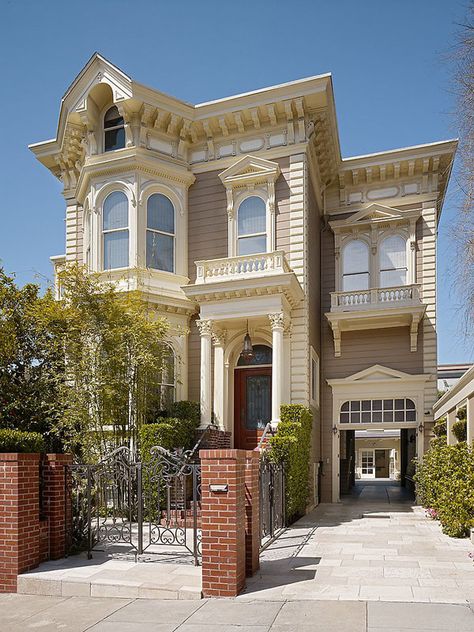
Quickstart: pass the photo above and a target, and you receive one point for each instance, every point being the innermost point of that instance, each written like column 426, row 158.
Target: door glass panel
column 258, row 396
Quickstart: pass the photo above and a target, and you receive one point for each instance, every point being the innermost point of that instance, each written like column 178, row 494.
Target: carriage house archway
column 252, row 397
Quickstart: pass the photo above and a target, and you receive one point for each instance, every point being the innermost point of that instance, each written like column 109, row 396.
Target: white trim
column 314, row 358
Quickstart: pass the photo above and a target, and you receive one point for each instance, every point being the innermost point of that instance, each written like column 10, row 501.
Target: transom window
column 393, row 261
column 160, row 234
column 261, row 355
column 369, row 411
column 114, row 130
column 252, row 226
column 355, row 266
column 115, row 231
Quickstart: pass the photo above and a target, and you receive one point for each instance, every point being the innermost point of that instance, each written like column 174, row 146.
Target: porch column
column 218, row 336
column 450, row 419
column 470, row 419
column 205, row 330
column 277, row 325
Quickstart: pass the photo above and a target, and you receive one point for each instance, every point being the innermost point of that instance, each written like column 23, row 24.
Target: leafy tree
column 28, row 362
column 112, row 348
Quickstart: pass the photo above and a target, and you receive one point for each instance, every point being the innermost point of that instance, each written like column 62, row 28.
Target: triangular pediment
column 377, row 372
column 250, row 168
column 375, row 212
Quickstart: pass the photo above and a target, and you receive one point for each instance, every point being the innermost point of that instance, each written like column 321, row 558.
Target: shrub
column 439, row 428
column 292, row 446
column 187, row 410
column 460, row 429
column 169, row 433
column 445, row 483
column 19, row 441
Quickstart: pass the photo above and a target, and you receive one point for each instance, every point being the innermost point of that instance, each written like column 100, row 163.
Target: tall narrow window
column 114, row 131
column 393, row 262
column 88, row 239
column 252, row 226
column 160, row 233
column 355, row 266
column 115, row 231
column 167, row 379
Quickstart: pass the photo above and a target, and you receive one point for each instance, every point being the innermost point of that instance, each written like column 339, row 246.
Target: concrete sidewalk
column 20, row 613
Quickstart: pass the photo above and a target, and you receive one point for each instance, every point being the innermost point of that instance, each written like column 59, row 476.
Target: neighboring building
column 449, row 375
column 239, row 215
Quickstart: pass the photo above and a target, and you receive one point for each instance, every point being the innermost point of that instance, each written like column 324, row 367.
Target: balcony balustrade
column 242, row 267
column 376, row 298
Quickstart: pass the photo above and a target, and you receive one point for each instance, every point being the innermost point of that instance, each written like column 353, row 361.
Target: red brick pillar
column 252, row 512
column 54, row 503
column 223, row 522
column 19, row 516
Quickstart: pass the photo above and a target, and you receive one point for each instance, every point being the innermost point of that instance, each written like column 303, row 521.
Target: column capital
column 277, row 320
column 204, row 327
column 219, row 337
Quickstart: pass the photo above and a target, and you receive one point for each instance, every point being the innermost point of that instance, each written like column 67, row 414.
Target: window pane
column 355, row 257
column 252, row 245
column 410, row 404
column 115, row 211
column 160, row 213
column 159, row 251
column 251, row 217
column 393, row 253
column 116, row 250
column 344, row 418
column 112, row 117
column 392, row 278
column 366, row 404
column 366, row 418
column 261, row 355
column 345, row 406
column 377, row 404
column 114, row 139
column 353, row 282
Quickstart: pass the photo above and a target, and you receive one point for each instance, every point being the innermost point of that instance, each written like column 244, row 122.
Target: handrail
column 268, row 429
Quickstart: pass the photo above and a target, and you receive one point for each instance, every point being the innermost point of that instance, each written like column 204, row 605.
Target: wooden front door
column 252, row 405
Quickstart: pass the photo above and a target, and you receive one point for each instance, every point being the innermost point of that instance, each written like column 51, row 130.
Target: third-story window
column 160, row 233
column 355, row 266
column 252, row 226
column 115, row 231
column 393, row 261
column 114, row 131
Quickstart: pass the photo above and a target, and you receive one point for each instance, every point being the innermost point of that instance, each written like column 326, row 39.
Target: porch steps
column 105, row 577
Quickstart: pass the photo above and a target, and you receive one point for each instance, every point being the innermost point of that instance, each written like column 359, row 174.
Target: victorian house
column 239, row 217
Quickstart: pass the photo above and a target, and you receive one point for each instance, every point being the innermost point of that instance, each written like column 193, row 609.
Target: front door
column 381, row 464
column 367, row 464
column 253, row 405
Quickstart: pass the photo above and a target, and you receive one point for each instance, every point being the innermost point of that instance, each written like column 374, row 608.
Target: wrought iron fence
column 147, row 506
column 272, row 500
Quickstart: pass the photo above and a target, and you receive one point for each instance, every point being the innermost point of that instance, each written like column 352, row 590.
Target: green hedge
column 292, row 446
column 460, row 429
column 187, row 410
column 439, row 428
column 20, row 441
column 445, row 482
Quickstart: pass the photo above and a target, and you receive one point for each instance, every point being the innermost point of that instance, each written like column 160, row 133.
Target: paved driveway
column 374, row 545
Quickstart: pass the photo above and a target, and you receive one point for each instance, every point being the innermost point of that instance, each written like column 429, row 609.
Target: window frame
column 265, row 233
column 111, row 129
column 160, row 232
column 114, row 230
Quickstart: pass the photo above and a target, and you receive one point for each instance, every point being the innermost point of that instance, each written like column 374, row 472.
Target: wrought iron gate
column 147, row 506
column 272, row 500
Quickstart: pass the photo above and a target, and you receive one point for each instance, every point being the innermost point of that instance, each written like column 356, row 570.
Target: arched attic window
column 114, row 130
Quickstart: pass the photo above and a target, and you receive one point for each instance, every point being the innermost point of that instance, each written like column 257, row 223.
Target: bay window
column 160, row 234
column 115, row 231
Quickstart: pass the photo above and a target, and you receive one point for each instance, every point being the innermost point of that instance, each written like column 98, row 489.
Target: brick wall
column 215, row 439
column 26, row 538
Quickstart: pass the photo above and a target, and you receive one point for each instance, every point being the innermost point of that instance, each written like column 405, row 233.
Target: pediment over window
column 250, row 170
column 375, row 214
column 379, row 373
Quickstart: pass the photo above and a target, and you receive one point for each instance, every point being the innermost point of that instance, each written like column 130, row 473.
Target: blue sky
column 389, row 60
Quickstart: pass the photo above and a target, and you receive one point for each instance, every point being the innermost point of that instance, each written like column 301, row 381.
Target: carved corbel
column 271, row 196
column 414, row 332
column 289, row 122
column 230, row 202
column 127, row 127
column 146, row 123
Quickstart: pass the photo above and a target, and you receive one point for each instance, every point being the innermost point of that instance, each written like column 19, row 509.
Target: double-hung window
column 160, row 234
column 252, row 226
column 393, row 261
column 355, row 266
column 115, row 231
column 114, row 130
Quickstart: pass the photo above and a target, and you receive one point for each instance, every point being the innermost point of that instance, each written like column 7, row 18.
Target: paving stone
column 153, row 611
column 230, row 612
column 420, row 616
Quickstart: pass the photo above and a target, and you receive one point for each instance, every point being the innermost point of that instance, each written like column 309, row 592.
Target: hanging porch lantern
column 247, row 350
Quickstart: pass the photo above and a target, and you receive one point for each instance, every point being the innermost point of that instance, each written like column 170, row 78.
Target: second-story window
column 115, row 231
column 393, row 261
column 251, row 226
column 355, row 266
column 160, row 233
column 114, row 131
